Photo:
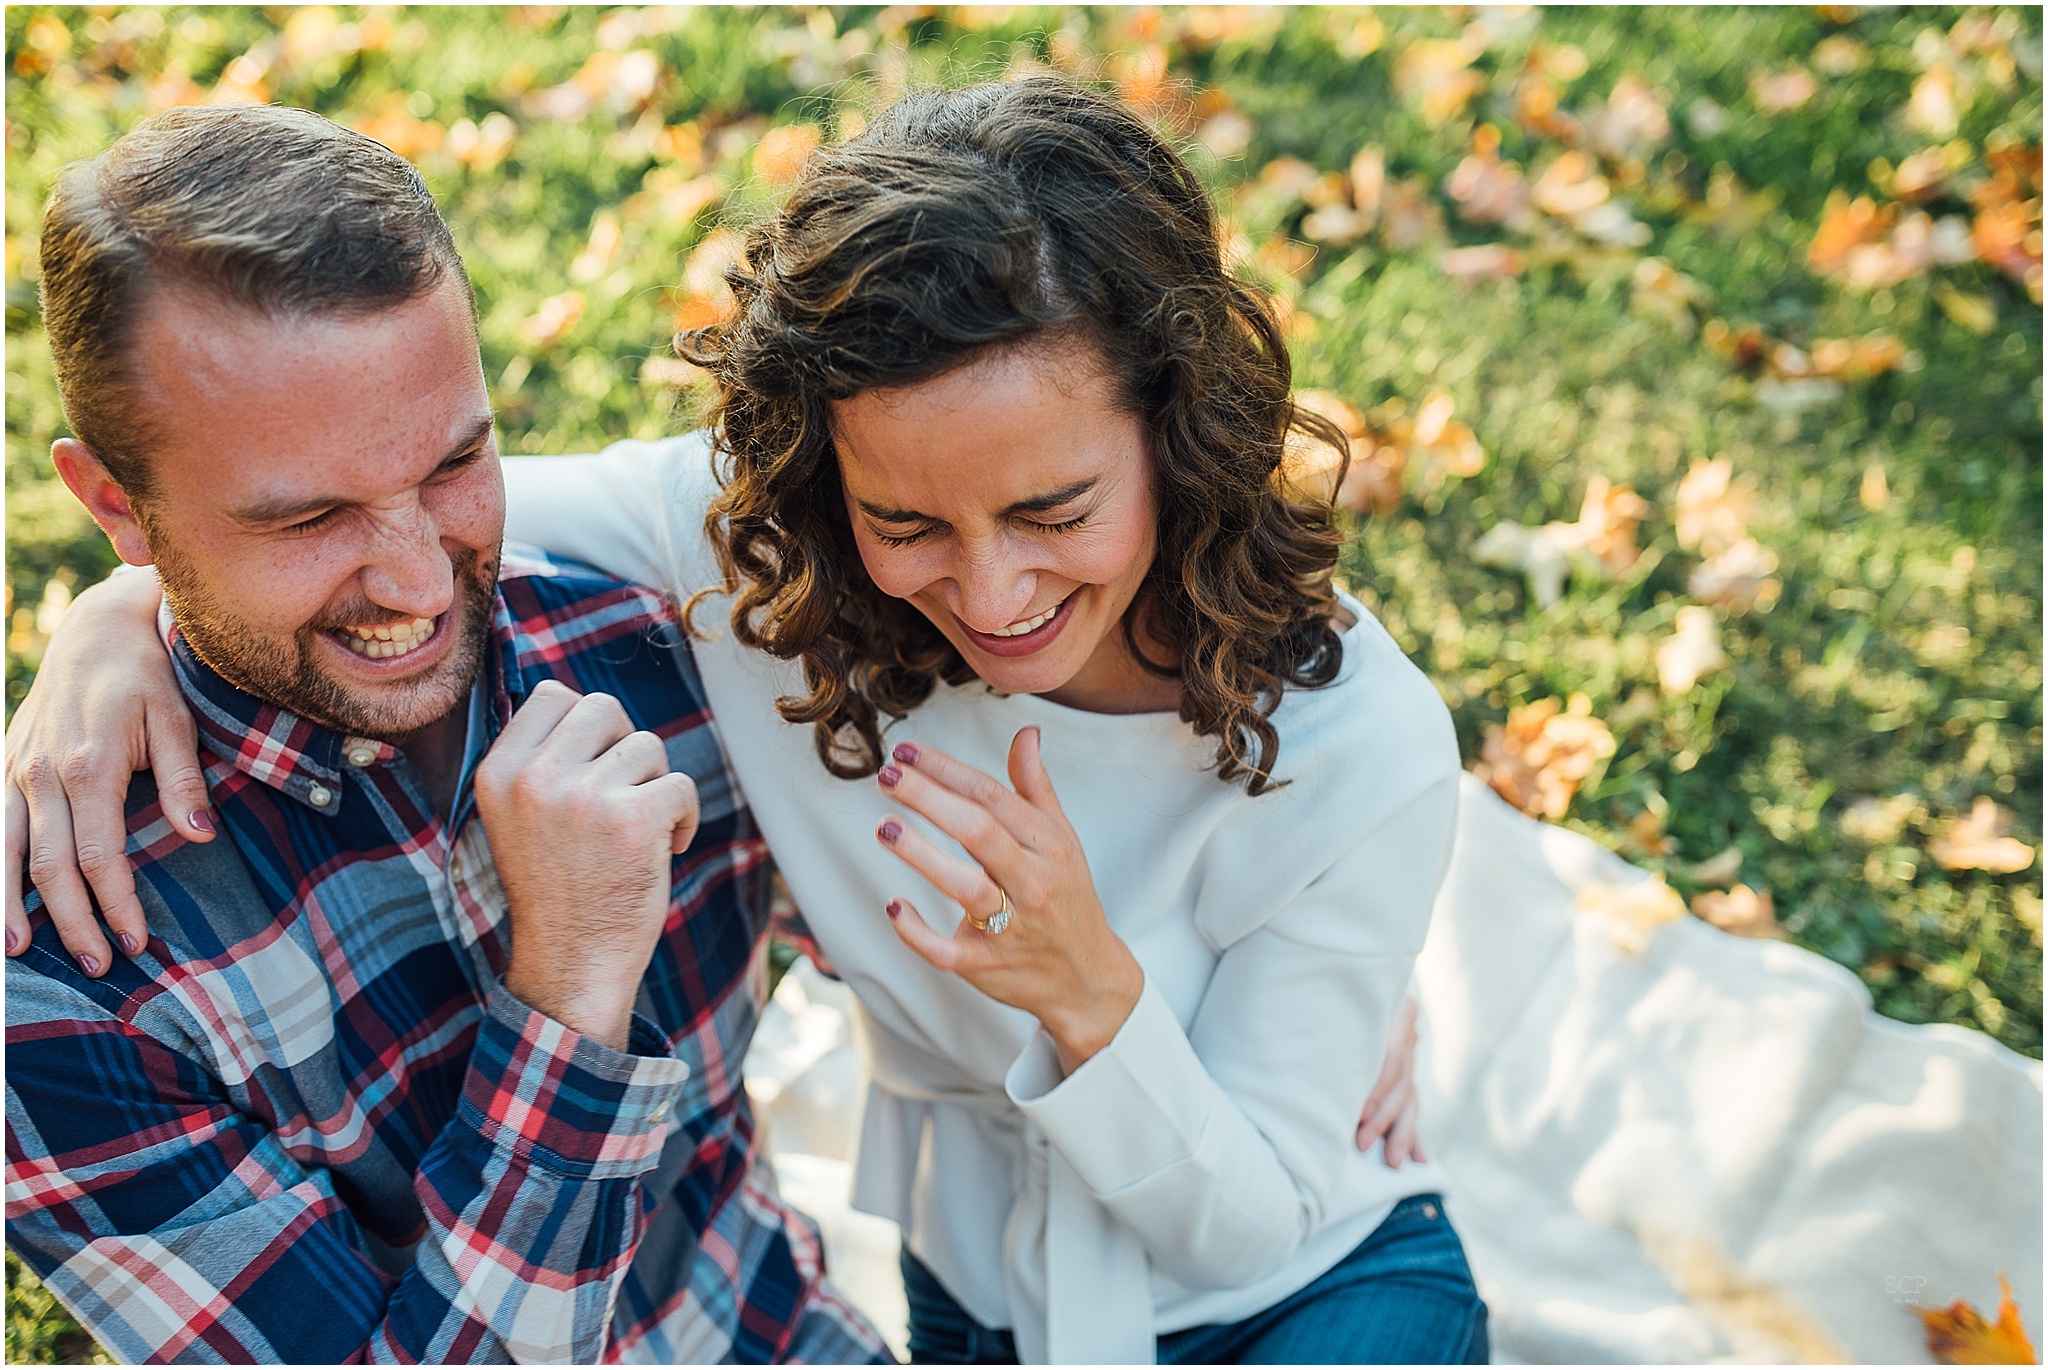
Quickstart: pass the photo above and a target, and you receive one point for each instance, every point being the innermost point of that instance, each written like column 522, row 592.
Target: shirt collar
column 297, row 757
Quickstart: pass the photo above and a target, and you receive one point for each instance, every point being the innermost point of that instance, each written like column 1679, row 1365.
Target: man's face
column 327, row 504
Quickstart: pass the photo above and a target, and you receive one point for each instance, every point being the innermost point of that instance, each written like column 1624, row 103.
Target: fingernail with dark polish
column 890, row 831
column 13, row 941
column 895, row 908
column 129, row 946
column 906, row 752
column 200, row 822
column 90, row 965
column 888, row 775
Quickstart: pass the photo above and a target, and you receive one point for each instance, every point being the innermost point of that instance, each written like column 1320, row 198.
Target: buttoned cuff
column 1133, row 1109
column 566, row 1102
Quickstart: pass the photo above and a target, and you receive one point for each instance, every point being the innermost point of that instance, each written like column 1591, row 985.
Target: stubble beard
column 288, row 674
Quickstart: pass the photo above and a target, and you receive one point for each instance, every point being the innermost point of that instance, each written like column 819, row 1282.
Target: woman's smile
column 1026, row 636
column 1010, row 500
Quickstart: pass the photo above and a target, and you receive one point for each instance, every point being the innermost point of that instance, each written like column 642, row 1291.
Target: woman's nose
column 995, row 590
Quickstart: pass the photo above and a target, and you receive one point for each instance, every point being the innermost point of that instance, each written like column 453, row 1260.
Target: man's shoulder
column 567, row 618
column 544, row 585
column 195, row 895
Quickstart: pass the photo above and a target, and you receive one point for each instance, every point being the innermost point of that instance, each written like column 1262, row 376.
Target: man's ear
column 103, row 498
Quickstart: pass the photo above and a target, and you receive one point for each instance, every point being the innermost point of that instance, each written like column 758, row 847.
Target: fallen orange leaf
column 1742, row 911
column 1958, row 1334
column 1540, row 756
column 1979, row 842
column 1714, row 506
column 783, row 151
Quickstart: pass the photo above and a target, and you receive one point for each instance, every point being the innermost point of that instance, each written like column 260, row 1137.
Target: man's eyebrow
column 288, row 510
column 1037, row 504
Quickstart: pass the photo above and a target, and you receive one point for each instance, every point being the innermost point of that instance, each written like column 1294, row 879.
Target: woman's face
column 1011, row 501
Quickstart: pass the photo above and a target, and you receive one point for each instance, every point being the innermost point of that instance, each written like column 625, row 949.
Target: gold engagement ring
column 997, row 921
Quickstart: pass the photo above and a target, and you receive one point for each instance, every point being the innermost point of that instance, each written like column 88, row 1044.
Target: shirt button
column 361, row 753
column 319, row 796
column 657, row 1113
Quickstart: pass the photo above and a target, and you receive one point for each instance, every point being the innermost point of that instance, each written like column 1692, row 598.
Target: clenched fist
column 583, row 814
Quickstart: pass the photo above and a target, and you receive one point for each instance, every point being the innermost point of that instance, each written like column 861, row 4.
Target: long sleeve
column 178, row 1225
column 632, row 510
column 1232, row 1137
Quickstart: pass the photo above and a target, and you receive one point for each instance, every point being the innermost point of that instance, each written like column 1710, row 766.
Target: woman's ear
column 103, row 498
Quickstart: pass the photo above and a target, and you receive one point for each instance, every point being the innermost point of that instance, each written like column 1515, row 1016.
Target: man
column 369, row 1081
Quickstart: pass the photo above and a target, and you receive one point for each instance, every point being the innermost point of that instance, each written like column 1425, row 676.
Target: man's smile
column 389, row 639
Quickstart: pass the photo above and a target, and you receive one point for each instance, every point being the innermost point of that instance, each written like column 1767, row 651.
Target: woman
column 995, row 493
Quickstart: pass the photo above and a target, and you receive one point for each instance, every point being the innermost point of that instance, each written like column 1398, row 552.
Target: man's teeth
column 1023, row 626
column 388, row 639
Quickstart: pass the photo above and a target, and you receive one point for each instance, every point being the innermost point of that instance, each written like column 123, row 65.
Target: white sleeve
column 1221, row 1146
column 634, row 510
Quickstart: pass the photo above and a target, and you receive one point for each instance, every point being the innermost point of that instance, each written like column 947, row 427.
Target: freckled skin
column 962, row 449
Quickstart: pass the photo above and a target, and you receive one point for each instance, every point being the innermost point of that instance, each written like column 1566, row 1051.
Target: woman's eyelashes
column 907, row 539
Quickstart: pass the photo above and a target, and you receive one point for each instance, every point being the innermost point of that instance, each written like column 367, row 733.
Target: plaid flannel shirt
column 308, row 1124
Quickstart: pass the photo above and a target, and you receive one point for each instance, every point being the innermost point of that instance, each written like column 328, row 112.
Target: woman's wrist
column 1090, row 1021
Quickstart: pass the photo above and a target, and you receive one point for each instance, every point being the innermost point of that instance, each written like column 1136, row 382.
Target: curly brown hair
column 994, row 216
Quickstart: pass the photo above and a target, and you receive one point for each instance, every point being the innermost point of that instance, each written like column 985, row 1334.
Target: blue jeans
column 1404, row 1296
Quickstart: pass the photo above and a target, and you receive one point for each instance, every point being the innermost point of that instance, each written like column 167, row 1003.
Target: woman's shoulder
column 1379, row 727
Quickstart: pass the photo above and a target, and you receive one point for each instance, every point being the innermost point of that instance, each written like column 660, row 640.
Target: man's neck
column 436, row 752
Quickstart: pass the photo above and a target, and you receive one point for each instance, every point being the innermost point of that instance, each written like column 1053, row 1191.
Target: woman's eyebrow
column 1037, row 504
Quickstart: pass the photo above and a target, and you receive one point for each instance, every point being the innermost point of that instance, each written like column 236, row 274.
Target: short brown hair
column 993, row 217
column 273, row 209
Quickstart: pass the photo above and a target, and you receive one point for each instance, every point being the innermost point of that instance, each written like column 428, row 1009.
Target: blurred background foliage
column 1691, row 357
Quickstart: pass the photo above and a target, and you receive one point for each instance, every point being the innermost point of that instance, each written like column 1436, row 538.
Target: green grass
column 1902, row 661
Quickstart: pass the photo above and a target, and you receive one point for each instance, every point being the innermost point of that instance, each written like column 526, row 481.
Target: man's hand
column 583, row 814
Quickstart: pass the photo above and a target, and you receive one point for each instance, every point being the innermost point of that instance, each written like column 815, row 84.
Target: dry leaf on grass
column 1602, row 542
column 1437, row 74
column 1958, row 1334
column 1742, row 911
column 1714, row 506
column 1692, row 652
column 1632, row 912
column 1486, row 261
column 1487, row 189
column 1371, row 481
column 1925, row 174
column 1608, row 519
column 1657, row 288
column 556, row 316
column 1571, row 189
column 1409, row 217
column 1879, row 822
column 1635, row 119
column 1784, row 91
column 606, row 237
column 1737, row 579
column 1543, row 555
column 1544, row 752
column 1721, row 868
column 1979, row 842
column 1861, row 243
column 782, row 152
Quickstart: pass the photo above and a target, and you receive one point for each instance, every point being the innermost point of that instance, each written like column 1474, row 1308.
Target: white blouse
column 1201, row 1167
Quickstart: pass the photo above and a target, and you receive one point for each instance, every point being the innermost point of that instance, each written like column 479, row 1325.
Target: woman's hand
column 1058, row 960
column 1391, row 1110
column 104, row 705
